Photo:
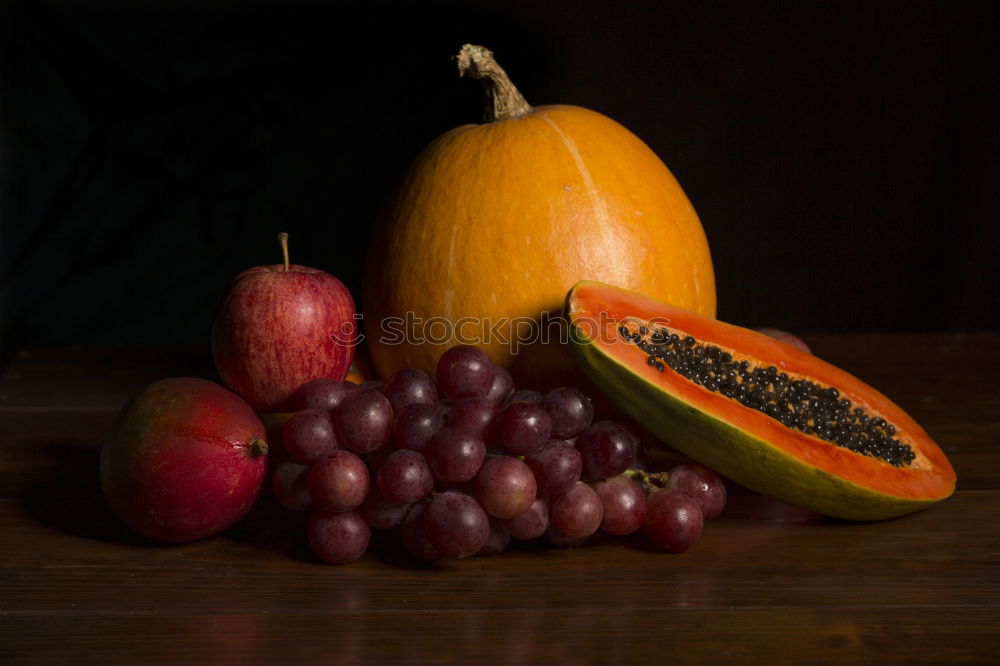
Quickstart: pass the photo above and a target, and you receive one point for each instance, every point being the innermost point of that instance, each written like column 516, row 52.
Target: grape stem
column 649, row 481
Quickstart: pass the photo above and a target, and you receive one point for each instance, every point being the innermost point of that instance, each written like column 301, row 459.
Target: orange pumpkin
column 361, row 369
column 493, row 223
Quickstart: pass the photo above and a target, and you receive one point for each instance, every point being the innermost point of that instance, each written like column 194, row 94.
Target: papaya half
column 761, row 412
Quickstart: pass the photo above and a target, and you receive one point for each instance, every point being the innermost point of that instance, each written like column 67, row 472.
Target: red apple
column 185, row 459
column 279, row 327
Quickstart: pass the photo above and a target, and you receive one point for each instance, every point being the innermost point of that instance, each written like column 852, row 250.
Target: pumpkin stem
column 502, row 98
column 283, row 242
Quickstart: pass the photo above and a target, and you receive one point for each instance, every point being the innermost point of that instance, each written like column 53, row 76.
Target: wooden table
column 779, row 587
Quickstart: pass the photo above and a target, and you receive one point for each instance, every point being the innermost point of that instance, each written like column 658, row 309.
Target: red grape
column 498, row 539
column 560, row 540
column 532, row 523
column 475, row 415
column 455, row 455
column 784, row 336
column 556, row 466
column 703, row 485
column 576, row 513
column 404, row 477
column 624, row 505
column 524, row 395
column 289, row 481
column 309, row 435
column 503, row 384
column 338, row 538
column 465, row 372
column 416, row 424
column 522, row 428
column 339, row 482
column 415, row 538
column 673, row 520
column 456, row 525
column 607, row 450
column 379, row 512
column 322, row 393
column 570, row 411
column 363, row 421
column 505, row 487
column 410, row 387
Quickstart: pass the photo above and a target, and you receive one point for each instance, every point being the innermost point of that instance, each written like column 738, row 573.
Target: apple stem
column 283, row 241
column 258, row 447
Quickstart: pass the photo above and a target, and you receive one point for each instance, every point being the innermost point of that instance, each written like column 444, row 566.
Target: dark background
column 843, row 156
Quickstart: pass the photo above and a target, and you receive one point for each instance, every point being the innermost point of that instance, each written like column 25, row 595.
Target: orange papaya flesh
column 903, row 471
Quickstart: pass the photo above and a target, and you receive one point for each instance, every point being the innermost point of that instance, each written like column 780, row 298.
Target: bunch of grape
column 462, row 465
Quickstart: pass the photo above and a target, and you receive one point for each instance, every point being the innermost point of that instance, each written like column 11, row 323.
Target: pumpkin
column 494, row 222
column 361, row 369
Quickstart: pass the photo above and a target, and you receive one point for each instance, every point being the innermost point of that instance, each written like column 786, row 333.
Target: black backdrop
column 843, row 156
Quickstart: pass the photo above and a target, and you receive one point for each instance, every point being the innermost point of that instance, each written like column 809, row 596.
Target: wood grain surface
column 766, row 583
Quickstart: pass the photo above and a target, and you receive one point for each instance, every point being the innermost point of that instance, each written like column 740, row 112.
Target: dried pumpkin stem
column 502, row 98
